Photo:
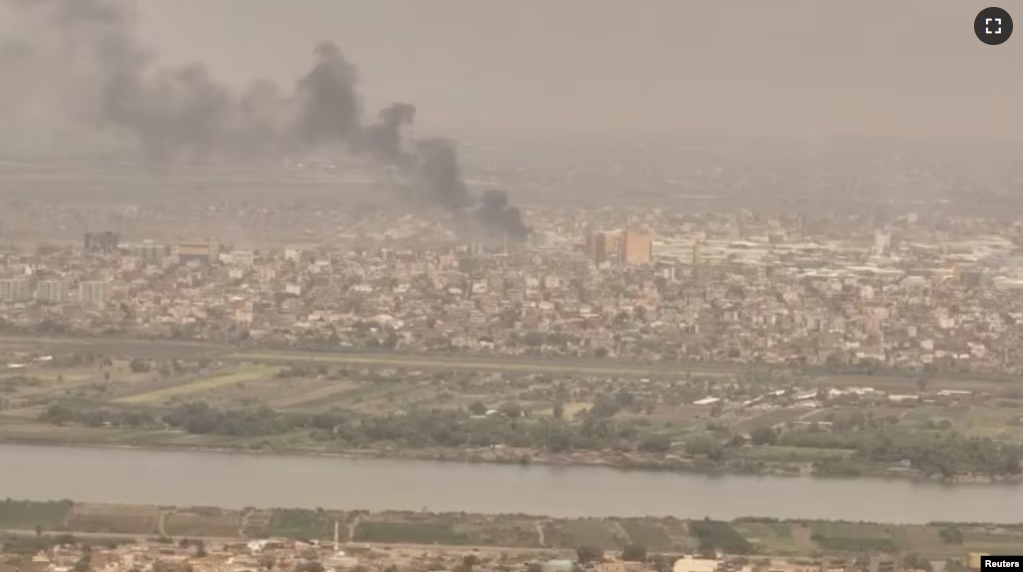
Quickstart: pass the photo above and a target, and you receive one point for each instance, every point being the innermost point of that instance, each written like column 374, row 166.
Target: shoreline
column 506, row 531
column 523, row 459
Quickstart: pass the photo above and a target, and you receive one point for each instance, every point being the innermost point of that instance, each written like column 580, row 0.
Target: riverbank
column 631, row 461
column 514, row 531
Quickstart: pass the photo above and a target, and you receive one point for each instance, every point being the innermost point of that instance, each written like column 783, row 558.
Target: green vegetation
column 632, row 536
column 715, row 535
column 248, row 374
column 304, row 524
column 30, row 545
column 653, row 536
column 409, row 533
column 445, row 406
column 944, row 453
column 27, row 515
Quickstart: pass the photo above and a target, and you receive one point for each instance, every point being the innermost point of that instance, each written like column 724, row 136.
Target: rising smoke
column 77, row 66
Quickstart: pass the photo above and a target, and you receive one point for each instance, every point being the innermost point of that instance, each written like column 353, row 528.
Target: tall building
column 15, row 290
column 636, row 248
column 150, row 252
column 52, row 291
column 94, row 292
column 624, row 247
column 101, row 242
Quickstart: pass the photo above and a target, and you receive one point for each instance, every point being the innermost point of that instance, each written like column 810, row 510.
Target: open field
column 512, row 531
column 250, row 373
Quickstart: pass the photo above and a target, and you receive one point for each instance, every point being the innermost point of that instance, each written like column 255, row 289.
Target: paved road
column 613, row 368
column 156, row 349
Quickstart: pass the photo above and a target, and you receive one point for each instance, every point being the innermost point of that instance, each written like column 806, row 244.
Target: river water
column 237, row 480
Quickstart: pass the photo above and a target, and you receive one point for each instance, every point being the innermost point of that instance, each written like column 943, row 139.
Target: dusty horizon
column 793, row 69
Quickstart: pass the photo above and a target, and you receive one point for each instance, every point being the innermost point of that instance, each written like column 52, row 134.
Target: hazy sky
column 817, row 68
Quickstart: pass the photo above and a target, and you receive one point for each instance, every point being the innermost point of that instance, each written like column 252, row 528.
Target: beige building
column 15, row 290
column 692, row 564
column 52, row 291
column 94, row 292
column 203, row 251
column 622, row 247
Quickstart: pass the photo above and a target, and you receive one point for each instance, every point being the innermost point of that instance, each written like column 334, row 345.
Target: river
column 238, row 480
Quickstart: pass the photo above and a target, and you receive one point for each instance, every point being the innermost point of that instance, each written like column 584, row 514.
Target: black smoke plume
column 79, row 63
column 495, row 212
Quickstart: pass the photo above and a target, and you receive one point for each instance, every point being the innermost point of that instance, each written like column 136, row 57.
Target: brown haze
column 906, row 69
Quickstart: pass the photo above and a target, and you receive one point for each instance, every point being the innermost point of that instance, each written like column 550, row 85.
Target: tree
column 137, row 365
column 634, row 553
column 655, row 444
column 477, row 408
column 763, row 436
column 587, row 553
column 511, row 409
column 84, row 564
column 705, row 447
column 913, row 561
column 951, row 535
column 559, row 410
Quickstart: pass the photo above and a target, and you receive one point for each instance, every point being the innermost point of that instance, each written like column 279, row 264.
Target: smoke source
column 77, row 67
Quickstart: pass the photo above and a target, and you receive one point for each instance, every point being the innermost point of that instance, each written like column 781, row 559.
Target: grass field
column 771, row 537
column 250, row 373
column 26, row 515
column 653, row 536
column 114, row 519
column 409, row 533
column 197, row 522
column 595, row 532
column 305, row 524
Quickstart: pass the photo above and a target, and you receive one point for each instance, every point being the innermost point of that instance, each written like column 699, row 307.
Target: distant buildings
column 202, row 251
column 622, row 247
column 52, row 291
column 94, row 292
column 150, row 252
column 101, row 242
column 15, row 290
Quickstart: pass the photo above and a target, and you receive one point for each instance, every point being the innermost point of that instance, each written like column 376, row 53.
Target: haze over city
column 496, row 286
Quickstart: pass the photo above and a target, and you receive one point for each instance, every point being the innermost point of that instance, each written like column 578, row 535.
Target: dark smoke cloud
column 328, row 105
column 79, row 62
column 495, row 212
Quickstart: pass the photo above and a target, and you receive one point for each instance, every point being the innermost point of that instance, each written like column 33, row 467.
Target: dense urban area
column 670, row 338
column 283, row 326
